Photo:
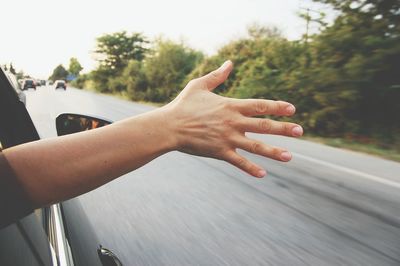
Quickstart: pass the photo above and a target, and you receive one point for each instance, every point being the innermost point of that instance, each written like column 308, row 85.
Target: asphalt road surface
column 326, row 207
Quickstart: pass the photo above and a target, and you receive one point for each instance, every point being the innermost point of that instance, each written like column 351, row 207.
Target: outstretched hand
column 210, row 125
column 198, row 122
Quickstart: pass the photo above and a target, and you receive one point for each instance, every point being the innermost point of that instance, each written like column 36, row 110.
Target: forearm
column 60, row 168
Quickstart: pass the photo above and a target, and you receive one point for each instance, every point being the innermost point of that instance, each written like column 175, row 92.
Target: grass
column 354, row 145
column 126, row 98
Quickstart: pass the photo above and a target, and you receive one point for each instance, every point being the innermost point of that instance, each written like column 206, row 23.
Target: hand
column 210, row 125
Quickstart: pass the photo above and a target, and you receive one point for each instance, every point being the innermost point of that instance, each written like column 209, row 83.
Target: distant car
column 29, row 84
column 16, row 86
column 37, row 83
column 43, row 82
column 60, row 84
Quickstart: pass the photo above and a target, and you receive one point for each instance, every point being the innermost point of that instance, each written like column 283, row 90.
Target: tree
column 100, row 77
column 135, row 80
column 241, row 52
column 20, row 74
column 59, row 73
column 167, row 68
column 355, row 66
column 12, row 69
column 74, row 67
column 117, row 49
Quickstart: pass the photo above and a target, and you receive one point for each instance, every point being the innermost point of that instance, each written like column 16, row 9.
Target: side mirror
column 73, row 123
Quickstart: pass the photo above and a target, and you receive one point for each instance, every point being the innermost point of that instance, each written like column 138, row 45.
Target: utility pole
column 308, row 19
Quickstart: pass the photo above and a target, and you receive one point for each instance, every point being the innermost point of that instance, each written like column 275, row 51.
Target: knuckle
column 229, row 105
column 261, row 107
column 288, row 128
column 194, row 82
column 241, row 163
column 275, row 152
column 222, row 153
column 265, row 125
column 228, row 122
column 256, row 147
column 214, row 74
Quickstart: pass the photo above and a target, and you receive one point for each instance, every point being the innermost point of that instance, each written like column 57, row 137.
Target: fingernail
column 225, row 65
column 286, row 156
column 290, row 109
column 297, row 131
column 261, row 173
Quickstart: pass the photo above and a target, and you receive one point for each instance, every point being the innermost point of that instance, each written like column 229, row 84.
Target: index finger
column 254, row 107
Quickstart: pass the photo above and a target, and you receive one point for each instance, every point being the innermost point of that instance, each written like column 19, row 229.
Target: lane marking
column 350, row 171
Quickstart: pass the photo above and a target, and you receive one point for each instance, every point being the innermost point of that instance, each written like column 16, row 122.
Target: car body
column 29, row 84
column 16, row 86
column 60, row 84
column 56, row 235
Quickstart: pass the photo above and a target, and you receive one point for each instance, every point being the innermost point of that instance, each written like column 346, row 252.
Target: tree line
column 61, row 73
column 344, row 81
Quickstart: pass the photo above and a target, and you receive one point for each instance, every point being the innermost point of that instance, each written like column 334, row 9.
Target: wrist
column 167, row 126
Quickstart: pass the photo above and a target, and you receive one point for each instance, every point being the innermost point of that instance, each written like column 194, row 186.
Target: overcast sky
column 38, row 35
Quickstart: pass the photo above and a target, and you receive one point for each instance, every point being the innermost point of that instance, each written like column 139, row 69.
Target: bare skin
column 197, row 122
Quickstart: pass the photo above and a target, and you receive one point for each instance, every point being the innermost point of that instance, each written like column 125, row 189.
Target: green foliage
column 12, row 69
column 167, row 67
column 136, row 81
column 354, row 68
column 344, row 81
column 81, row 82
column 20, row 75
column 100, row 77
column 59, row 73
column 9, row 68
column 117, row 49
column 74, row 67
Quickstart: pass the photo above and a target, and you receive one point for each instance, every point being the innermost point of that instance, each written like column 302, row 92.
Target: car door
column 25, row 241
column 57, row 235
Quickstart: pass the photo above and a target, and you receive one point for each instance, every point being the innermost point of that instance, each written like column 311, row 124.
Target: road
column 326, row 207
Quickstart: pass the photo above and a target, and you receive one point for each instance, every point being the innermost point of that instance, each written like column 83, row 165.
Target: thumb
column 218, row 76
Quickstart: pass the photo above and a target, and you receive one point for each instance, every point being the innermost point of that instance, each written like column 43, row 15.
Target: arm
column 197, row 122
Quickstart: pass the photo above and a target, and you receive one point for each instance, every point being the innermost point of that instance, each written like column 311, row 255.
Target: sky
column 36, row 36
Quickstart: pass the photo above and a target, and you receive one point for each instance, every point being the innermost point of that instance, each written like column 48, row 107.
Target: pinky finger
column 244, row 164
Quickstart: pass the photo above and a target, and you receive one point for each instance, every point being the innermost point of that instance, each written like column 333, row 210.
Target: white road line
column 348, row 170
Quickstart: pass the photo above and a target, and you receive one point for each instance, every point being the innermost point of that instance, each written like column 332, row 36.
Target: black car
column 56, row 235
column 29, row 84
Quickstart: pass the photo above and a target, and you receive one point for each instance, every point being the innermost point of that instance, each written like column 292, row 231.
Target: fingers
column 218, row 76
column 244, row 164
column 253, row 107
column 257, row 147
column 268, row 126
